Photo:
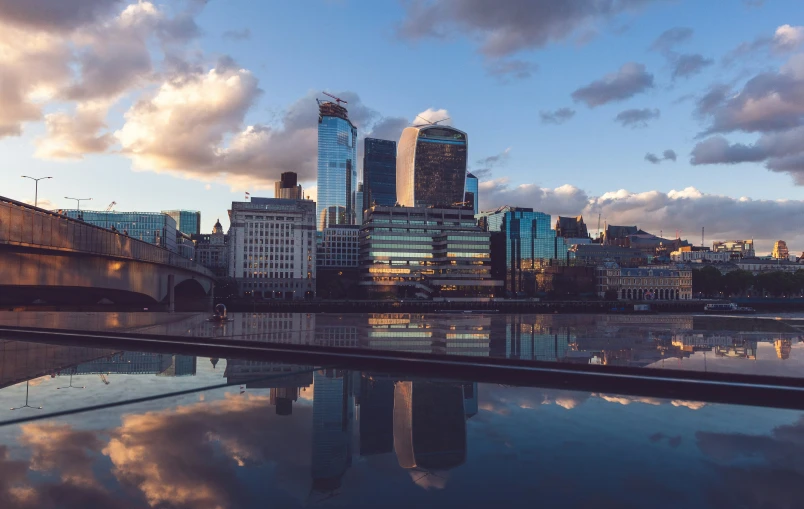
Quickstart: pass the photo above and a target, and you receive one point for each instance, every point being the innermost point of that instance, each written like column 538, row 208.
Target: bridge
column 47, row 258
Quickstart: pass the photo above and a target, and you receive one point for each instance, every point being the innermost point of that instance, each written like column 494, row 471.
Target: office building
column 287, row 187
column 530, row 246
column 185, row 245
column 687, row 255
column 187, row 221
column 379, row 173
column 471, row 195
column 211, row 250
column 153, row 227
column 359, row 199
column 428, row 253
column 644, row 283
column 571, row 227
column 431, row 166
column 338, row 248
column 337, row 166
column 272, row 248
column 780, row 251
column 737, row 248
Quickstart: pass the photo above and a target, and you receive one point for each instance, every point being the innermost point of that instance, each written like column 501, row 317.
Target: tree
column 737, row 282
column 611, row 294
column 707, row 281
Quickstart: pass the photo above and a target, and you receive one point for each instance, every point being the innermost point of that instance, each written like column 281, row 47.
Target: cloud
column 637, row 118
column 485, row 166
column 785, row 39
column 564, row 200
column 48, row 15
column 509, row 26
column 72, row 137
column 668, row 39
column 688, row 65
column 630, row 80
column 433, row 115
column 511, row 69
column 237, row 35
column 667, row 155
column 558, row 116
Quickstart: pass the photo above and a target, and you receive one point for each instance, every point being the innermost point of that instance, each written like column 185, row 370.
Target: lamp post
column 78, row 203
column 36, row 187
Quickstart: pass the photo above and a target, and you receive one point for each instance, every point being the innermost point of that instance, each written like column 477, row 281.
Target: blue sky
column 156, row 130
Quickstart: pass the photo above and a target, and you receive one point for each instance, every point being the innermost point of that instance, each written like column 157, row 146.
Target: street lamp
column 78, row 202
column 36, row 188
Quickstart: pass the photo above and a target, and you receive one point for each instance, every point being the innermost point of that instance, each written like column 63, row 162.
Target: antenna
column 337, row 99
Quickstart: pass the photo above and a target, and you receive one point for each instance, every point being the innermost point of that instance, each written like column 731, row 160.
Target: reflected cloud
column 59, row 447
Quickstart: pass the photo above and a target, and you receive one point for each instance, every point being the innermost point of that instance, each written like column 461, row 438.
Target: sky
column 671, row 115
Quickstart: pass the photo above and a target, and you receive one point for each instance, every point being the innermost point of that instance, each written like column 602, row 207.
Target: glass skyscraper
column 154, row 227
column 337, row 168
column 431, row 166
column 470, row 195
column 379, row 173
column 187, row 221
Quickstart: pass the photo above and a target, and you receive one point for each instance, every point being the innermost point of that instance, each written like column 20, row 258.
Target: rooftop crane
column 431, row 122
column 111, row 206
column 337, row 99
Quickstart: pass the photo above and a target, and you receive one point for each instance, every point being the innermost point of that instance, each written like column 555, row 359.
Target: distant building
column 595, row 254
column 472, row 189
column 737, row 248
column 287, row 187
column 437, row 253
column 339, row 247
column 211, row 250
column 617, row 235
column 780, row 251
column 337, row 166
column 359, row 199
column 431, row 166
column 687, row 255
column 272, row 248
column 379, row 173
column 333, row 417
column 185, row 245
column 530, row 245
column 187, row 221
column 758, row 265
column 645, row 283
column 154, row 227
column 571, row 227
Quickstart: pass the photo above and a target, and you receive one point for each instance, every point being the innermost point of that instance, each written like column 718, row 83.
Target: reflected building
column 337, row 166
column 535, row 337
column 283, row 380
column 741, row 349
column 376, row 415
column 333, row 414
column 431, row 166
column 403, row 332
column 379, row 173
column 783, row 348
column 139, row 363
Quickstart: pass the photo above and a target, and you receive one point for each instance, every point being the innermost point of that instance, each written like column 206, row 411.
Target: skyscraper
column 287, row 187
column 187, row 221
column 337, row 171
column 471, row 194
column 379, row 173
column 431, row 166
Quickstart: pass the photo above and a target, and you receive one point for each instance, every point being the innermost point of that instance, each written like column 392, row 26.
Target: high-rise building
column 780, row 251
column 431, row 166
column 187, row 221
column 211, row 250
column 379, row 173
column 359, row 198
column 471, row 195
column 272, row 248
column 337, row 168
column 287, row 187
column 333, row 415
column 154, row 227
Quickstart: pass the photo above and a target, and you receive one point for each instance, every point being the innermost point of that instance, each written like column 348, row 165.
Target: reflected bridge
column 49, row 258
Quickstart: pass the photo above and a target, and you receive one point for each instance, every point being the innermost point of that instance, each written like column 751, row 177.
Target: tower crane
column 337, row 99
column 111, row 206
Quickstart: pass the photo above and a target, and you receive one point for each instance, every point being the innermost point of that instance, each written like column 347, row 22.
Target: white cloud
column 433, row 115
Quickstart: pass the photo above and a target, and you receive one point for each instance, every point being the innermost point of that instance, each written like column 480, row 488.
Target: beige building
column 645, row 283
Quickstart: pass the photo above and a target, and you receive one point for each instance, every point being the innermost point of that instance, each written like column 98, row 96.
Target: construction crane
column 103, row 377
column 111, row 206
column 337, row 99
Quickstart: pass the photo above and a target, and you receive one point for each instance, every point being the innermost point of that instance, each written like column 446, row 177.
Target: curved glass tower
column 431, row 166
column 337, row 168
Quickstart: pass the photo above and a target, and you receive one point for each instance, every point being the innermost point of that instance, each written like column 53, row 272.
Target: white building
column 272, row 248
column 700, row 256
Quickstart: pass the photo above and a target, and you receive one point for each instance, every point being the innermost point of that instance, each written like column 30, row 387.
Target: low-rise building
column 644, row 283
column 337, row 260
column 758, row 265
column 595, row 254
column 737, row 248
column 211, row 250
column 686, row 255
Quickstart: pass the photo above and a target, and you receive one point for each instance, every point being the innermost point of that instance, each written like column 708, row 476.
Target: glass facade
column 338, row 247
column 471, row 192
column 431, row 166
column 187, row 221
column 337, row 168
column 379, row 173
column 152, row 227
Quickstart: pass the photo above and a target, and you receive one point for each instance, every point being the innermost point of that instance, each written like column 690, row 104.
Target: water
column 251, row 434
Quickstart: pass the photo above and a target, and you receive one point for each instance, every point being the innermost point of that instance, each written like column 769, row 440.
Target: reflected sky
column 356, row 439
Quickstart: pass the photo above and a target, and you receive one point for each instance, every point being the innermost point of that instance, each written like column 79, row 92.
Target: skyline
column 188, row 104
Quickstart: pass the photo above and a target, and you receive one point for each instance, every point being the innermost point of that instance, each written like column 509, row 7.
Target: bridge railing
column 24, row 225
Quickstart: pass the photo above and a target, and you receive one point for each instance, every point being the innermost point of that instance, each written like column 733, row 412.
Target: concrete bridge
column 49, row 258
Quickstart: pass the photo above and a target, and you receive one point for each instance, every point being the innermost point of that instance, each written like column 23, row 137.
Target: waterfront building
column 337, row 166
column 530, row 246
column 272, row 248
column 431, row 166
column 595, row 254
column 187, row 221
column 571, row 227
column 644, row 283
column 379, row 173
column 780, row 251
column 287, row 187
column 737, row 248
column 153, row 227
column 471, row 195
column 211, row 250
column 437, row 253
column 339, row 247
